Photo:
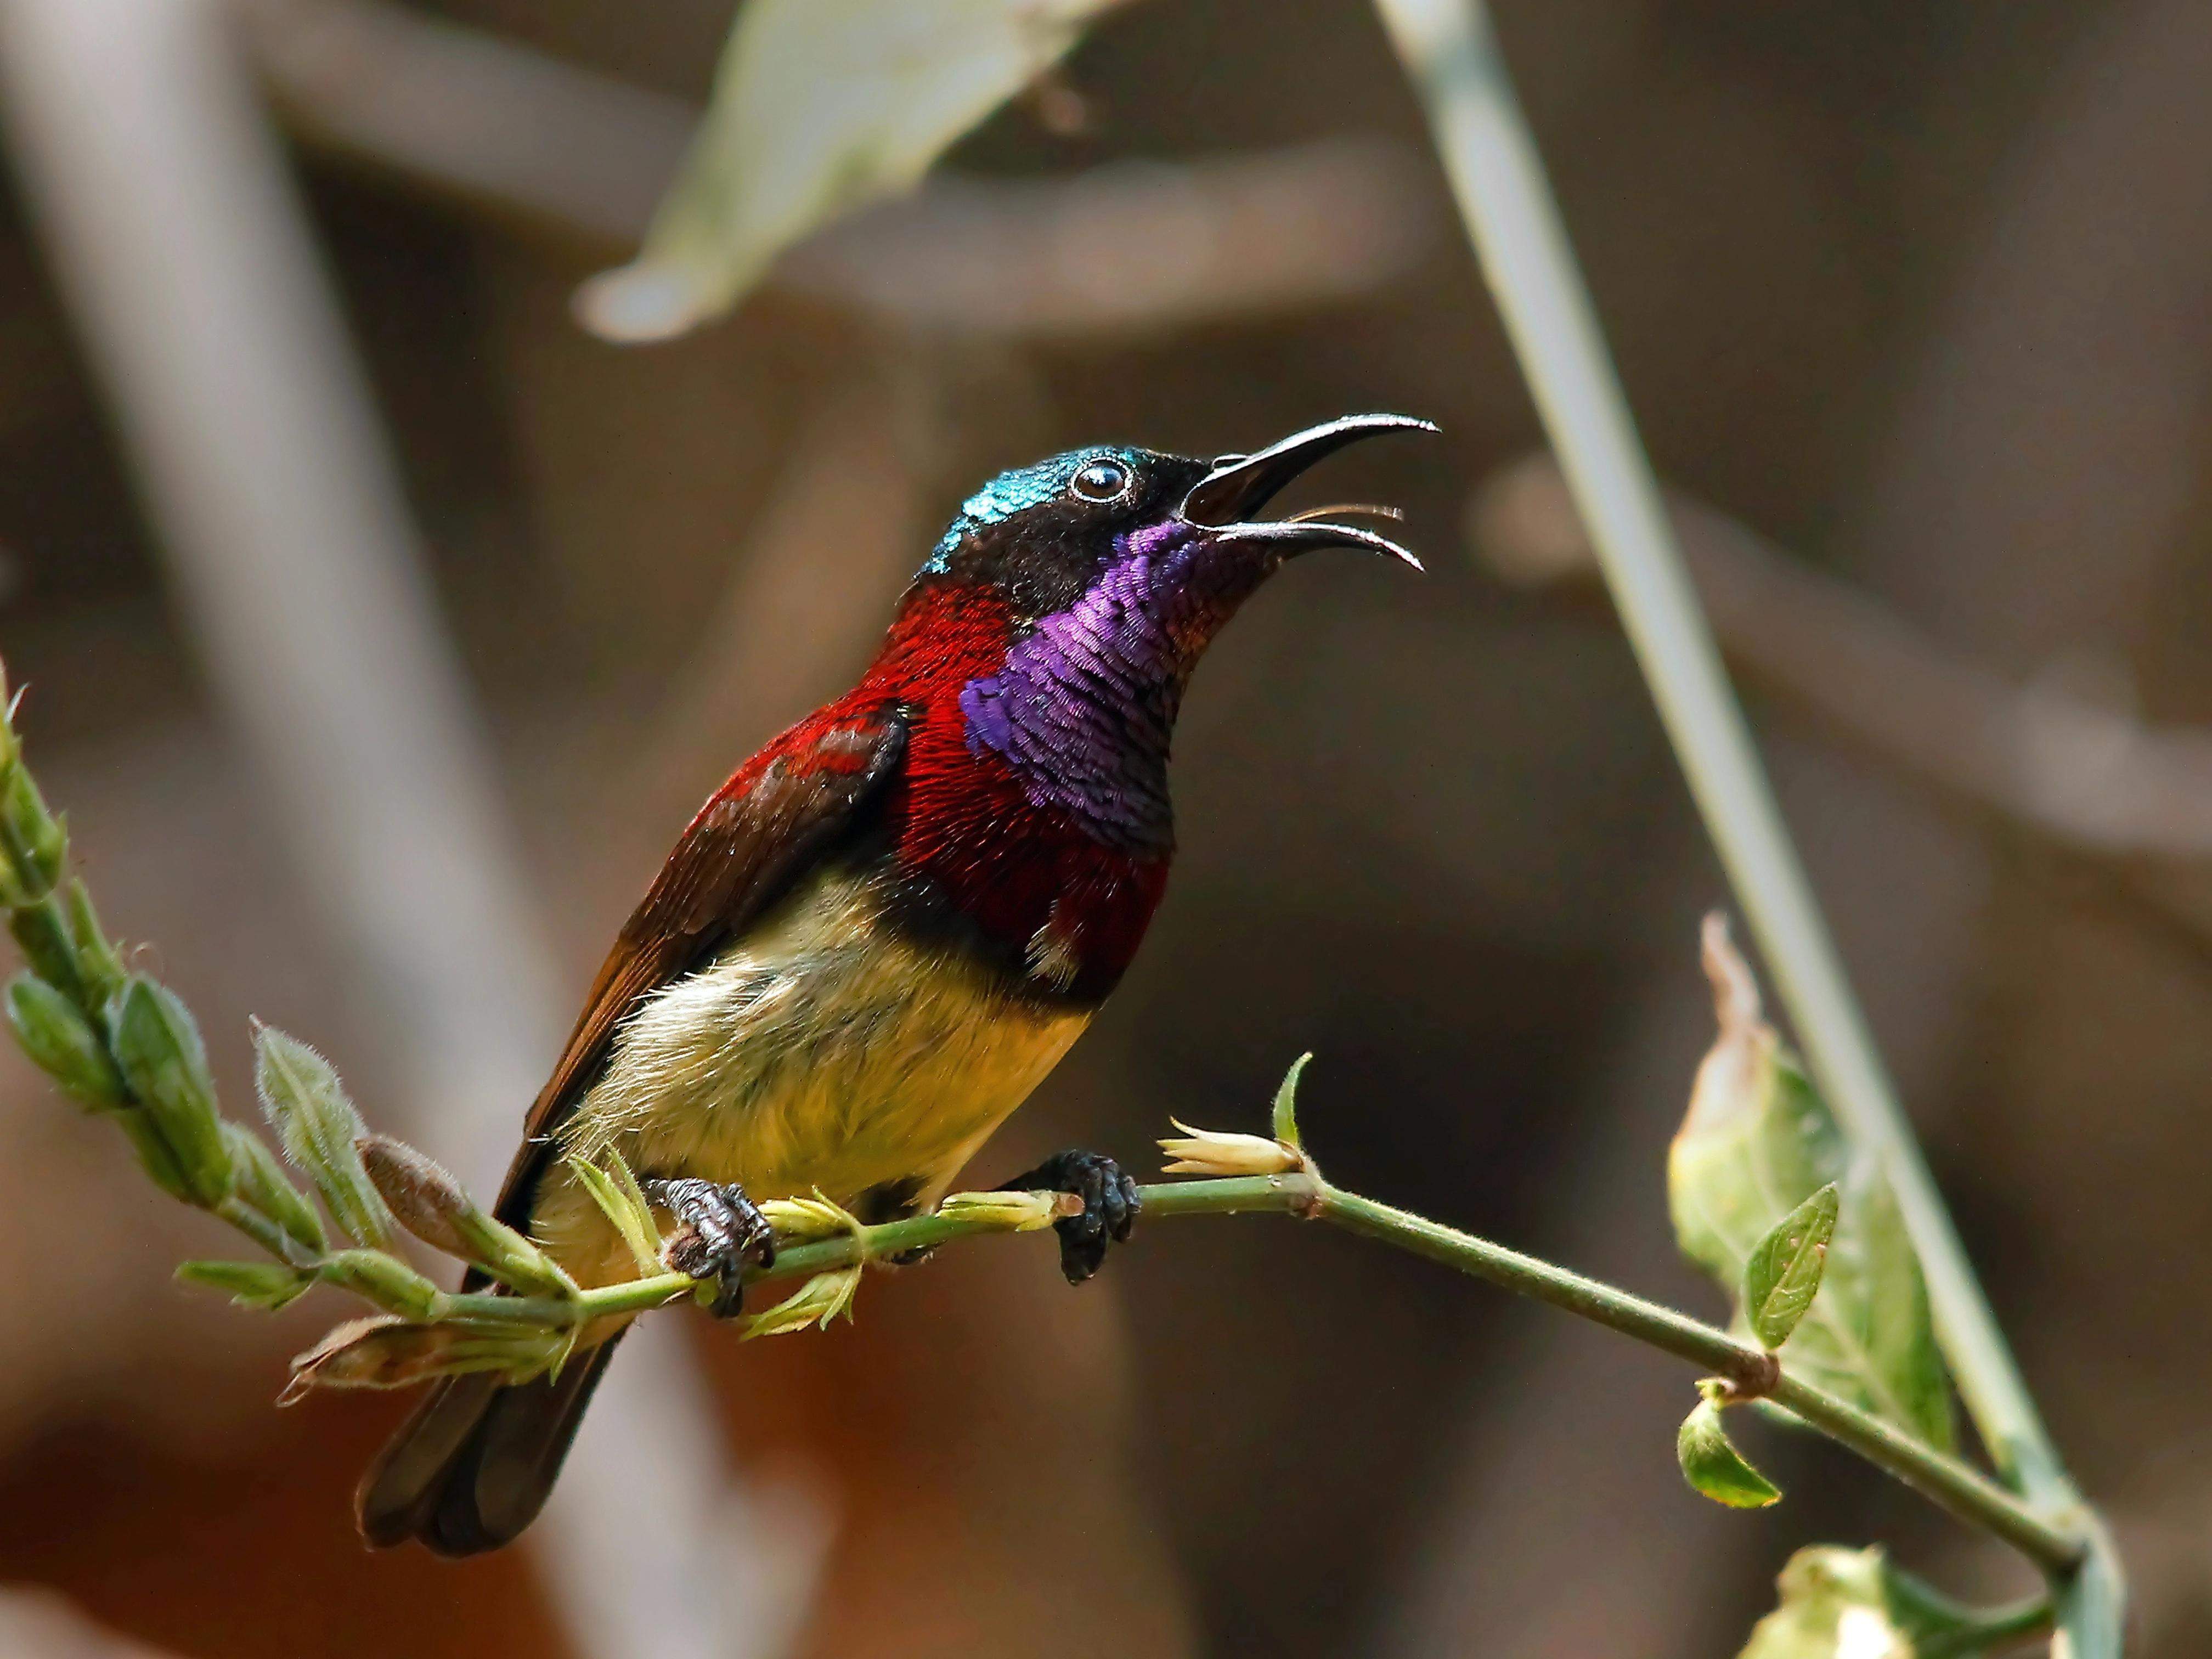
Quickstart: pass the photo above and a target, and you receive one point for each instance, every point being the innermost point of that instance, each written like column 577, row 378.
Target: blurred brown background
column 1918, row 291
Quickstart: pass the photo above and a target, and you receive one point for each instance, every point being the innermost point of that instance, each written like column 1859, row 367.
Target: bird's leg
column 718, row 1231
column 1109, row 1206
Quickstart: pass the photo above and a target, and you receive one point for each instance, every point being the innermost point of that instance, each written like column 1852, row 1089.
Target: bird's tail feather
column 473, row 1465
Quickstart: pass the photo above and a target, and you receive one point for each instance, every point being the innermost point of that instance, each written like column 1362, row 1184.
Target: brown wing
column 780, row 811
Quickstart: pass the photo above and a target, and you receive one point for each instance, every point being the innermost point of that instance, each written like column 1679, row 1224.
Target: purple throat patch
column 1083, row 709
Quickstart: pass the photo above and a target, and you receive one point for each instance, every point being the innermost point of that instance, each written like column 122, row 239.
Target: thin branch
column 1966, row 1492
column 2089, row 778
column 1513, row 222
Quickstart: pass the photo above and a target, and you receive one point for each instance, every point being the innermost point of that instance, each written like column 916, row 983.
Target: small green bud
column 386, row 1280
column 158, row 1048
column 34, row 844
column 1710, row 1463
column 98, row 963
column 155, row 1156
column 61, row 1043
column 42, row 934
column 269, row 1286
column 264, row 1184
column 318, row 1127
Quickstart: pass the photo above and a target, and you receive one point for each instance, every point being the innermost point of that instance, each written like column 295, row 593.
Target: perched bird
column 882, row 932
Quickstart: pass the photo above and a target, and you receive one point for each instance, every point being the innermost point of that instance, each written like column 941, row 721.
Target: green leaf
column 265, row 1284
column 635, row 1201
column 1286, row 1103
column 624, row 1205
column 820, row 106
column 1839, row 1603
column 815, row 1303
column 1712, row 1465
column 1758, row 1142
column 1783, row 1274
column 61, row 1043
column 317, row 1126
column 157, row 1046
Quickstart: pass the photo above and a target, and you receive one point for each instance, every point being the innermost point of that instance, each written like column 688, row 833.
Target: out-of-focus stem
column 1489, row 154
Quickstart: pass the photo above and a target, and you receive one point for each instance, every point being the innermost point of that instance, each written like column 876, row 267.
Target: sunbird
column 879, row 935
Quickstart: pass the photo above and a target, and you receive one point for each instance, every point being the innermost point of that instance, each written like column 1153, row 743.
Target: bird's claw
column 1111, row 1206
column 719, row 1232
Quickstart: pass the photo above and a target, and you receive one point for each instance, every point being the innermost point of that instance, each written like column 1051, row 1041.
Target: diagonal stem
column 1452, row 54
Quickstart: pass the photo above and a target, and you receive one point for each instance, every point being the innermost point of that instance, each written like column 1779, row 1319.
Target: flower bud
column 42, row 934
column 422, row 1197
column 155, row 1156
column 264, row 1184
column 1219, row 1152
column 798, row 1220
column 427, row 1201
column 317, row 1125
column 1014, row 1211
column 157, row 1046
column 34, row 845
column 61, row 1043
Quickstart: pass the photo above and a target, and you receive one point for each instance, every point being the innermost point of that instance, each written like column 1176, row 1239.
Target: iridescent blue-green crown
column 1013, row 492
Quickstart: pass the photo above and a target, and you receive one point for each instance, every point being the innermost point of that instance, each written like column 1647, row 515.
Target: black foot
column 718, row 1231
column 1109, row 1206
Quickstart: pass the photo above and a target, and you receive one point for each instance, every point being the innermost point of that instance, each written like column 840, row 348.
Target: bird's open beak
column 1224, row 501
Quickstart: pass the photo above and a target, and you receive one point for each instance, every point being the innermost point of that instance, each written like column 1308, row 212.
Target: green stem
column 1483, row 139
column 1995, row 1628
column 1968, row 1494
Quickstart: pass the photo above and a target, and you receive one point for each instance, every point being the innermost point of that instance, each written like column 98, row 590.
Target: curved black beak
column 1224, row 501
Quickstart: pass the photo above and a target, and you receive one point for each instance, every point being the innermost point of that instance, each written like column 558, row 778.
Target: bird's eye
column 1101, row 481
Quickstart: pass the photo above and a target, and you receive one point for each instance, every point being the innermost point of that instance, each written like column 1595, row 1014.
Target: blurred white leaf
column 1839, row 1603
column 820, row 106
column 1758, row 1142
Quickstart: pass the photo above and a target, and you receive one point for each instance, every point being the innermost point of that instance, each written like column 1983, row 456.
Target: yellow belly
column 822, row 1052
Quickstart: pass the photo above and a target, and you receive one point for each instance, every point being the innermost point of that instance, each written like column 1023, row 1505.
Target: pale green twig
column 1495, row 171
column 1972, row 1497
